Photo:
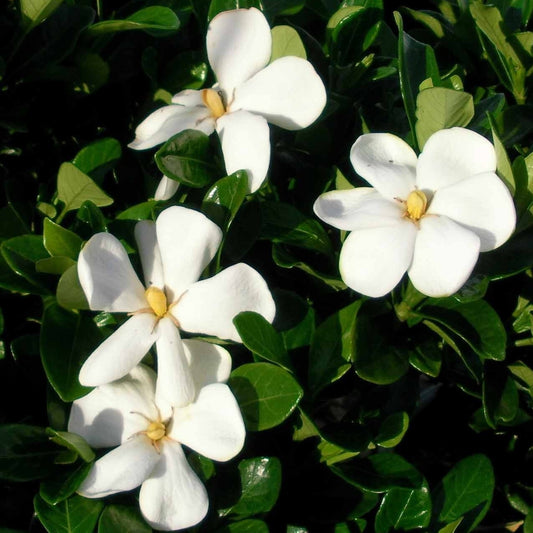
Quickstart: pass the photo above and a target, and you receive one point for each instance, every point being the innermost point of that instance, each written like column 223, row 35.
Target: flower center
column 156, row 431
column 214, row 102
column 157, row 301
column 417, row 203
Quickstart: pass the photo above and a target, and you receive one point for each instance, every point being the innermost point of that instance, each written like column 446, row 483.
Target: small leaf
column 73, row 442
column 142, row 211
column 63, row 483
column 500, row 395
column 35, row 11
column 69, row 292
column 122, row 518
column 54, row 265
column 59, row 241
column 266, row 394
column 286, row 42
column 98, row 157
column 392, row 430
column 251, row 525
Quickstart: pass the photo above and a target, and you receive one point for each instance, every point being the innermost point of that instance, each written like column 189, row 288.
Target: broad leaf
column 116, row 518
column 64, row 482
column 286, row 42
column 59, row 241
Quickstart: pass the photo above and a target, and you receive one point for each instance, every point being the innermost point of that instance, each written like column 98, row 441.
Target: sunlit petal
column 146, row 238
column 166, row 189
column 209, row 363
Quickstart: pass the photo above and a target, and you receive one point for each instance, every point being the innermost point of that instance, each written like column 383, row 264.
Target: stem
column 61, row 215
column 411, row 299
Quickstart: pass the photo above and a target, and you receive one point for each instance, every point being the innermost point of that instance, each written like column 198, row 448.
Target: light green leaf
column 54, row 265
column 69, row 292
column 35, row 11
column 59, row 241
column 286, row 42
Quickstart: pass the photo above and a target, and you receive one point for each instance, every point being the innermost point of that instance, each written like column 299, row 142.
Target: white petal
column 373, row 260
column 210, row 305
column 109, row 414
column 189, row 98
column 445, row 254
column 168, row 121
column 483, row 204
column 245, row 140
column 288, row 93
column 146, row 238
column 175, row 384
column 120, row 352
column 359, row 208
column 387, row 162
column 173, row 497
column 239, row 44
column 452, row 155
column 107, row 277
column 123, row 468
column 166, row 189
column 188, row 241
column 209, row 363
column 212, row 425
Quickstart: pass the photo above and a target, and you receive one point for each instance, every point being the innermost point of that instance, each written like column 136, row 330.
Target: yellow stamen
column 156, row 431
column 213, row 101
column 157, row 301
column 416, row 205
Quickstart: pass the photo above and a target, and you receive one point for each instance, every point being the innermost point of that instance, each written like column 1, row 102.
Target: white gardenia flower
column 429, row 217
column 147, row 434
column 174, row 251
column 249, row 93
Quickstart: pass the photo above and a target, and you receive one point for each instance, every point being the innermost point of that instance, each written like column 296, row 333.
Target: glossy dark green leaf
column 500, row 395
column 185, row 158
column 142, row 211
column 73, row 442
column 392, row 430
column 64, row 482
column 188, row 70
column 98, row 157
column 21, row 254
column 295, row 319
column 260, row 337
column 216, row 6
column 225, row 197
column 465, row 491
column 153, row 19
column 11, row 223
column 59, row 241
column 260, row 485
column 75, row 515
column 266, row 394
column 26, row 452
column 250, row 525
column 404, row 509
column 380, row 473
column 115, row 518
column 67, row 339
column 475, row 322
column 523, row 375
column 283, row 223
column 91, row 215
column 332, row 347
column 74, row 188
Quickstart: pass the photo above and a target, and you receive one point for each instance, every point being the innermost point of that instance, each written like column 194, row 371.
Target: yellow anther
column 416, row 205
column 156, row 431
column 213, row 101
column 157, row 301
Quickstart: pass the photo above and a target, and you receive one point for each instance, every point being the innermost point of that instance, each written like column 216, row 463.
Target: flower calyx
column 214, row 102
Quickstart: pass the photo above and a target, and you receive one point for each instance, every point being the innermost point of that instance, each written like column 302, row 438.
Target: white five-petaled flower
column 249, row 93
column 149, row 433
column 430, row 217
column 174, row 251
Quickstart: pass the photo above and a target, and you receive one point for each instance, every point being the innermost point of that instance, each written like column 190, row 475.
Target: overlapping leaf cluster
column 389, row 414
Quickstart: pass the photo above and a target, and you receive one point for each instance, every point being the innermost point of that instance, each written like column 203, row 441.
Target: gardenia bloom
column 149, row 434
column 174, row 251
column 430, row 217
column 250, row 92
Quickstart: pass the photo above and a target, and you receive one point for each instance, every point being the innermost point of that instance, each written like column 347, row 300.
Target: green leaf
column 475, row 322
column 73, row 442
column 283, row 223
column 404, row 509
column 89, row 214
column 380, row 473
column 523, row 375
column 500, row 395
column 188, row 70
column 266, row 394
column 260, row 337
column 155, row 20
column 63, row 483
column 74, row 188
column 438, row 108
column 332, row 348
column 75, row 515
column 392, row 430
column 117, row 518
column 54, row 265
column 69, row 292
column 250, row 525
column 26, row 452
column 260, row 482
column 142, row 211
column 465, row 491
column 225, row 197
column 21, row 254
column 33, row 12
column 503, row 165
column 67, row 339
column 185, row 158
column 286, row 42
column 60, row 241
column 98, row 157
